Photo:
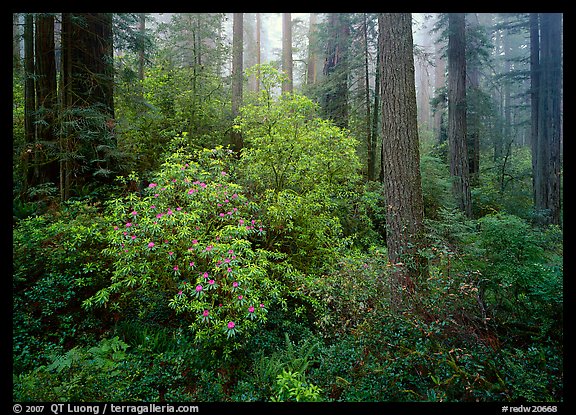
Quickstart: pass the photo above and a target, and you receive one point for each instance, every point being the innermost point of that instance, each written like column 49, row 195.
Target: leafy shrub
column 56, row 263
column 289, row 147
column 80, row 374
column 524, row 286
column 193, row 236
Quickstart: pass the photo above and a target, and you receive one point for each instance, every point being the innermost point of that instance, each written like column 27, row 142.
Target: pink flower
column 235, row 284
column 231, row 325
column 205, row 313
column 222, row 215
column 194, row 241
column 180, row 292
column 133, row 236
column 205, row 275
column 134, row 213
column 192, row 263
column 240, row 297
column 176, row 268
column 199, row 288
column 128, row 224
column 153, row 207
column 152, row 185
column 209, row 247
column 251, row 309
column 223, row 173
column 229, row 270
column 170, row 253
column 211, row 282
column 151, row 245
column 261, row 305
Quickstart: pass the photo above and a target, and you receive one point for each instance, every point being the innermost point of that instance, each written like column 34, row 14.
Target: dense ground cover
column 263, row 277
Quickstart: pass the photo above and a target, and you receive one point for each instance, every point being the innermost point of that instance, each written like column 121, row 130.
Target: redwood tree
column 237, row 73
column 458, row 149
column 400, row 153
column 87, row 136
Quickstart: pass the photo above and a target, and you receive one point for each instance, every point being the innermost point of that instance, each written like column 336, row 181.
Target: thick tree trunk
column 335, row 100
column 312, row 39
column 548, row 163
column 87, row 135
column 30, row 169
column 400, row 154
column 237, row 74
column 459, row 170
column 287, row 86
column 46, row 96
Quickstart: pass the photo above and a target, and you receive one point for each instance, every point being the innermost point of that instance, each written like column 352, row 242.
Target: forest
column 287, row 207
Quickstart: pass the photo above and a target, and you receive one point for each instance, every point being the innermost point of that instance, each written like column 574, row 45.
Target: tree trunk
column 400, row 154
column 141, row 50
column 46, row 98
column 369, row 137
column 312, row 40
column 439, row 84
column 534, row 100
column 335, row 99
column 287, row 86
column 547, row 175
column 237, row 74
column 31, row 171
column 16, row 42
column 87, row 137
column 457, row 112
column 473, row 123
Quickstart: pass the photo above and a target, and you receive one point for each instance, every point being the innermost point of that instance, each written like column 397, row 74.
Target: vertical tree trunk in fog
column 15, row 42
column 312, row 39
column 400, row 153
column 88, row 81
column 141, row 51
column 258, row 48
column 459, row 170
column 548, row 164
column 237, row 73
column 534, row 99
column 473, row 126
column 46, row 98
column 370, row 140
column 287, row 86
column 29, row 102
column 439, row 84
column 335, row 99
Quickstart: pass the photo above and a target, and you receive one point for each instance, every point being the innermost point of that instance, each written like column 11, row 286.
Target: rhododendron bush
column 193, row 235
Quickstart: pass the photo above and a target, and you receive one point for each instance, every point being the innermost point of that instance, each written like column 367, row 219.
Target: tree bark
column 46, row 97
column 237, row 74
column 335, row 99
column 312, row 39
column 87, row 100
column 548, row 163
column 400, row 154
column 31, row 171
column 287, row 86
column 459, row 170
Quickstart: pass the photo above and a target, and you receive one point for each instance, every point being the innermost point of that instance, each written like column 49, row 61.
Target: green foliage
column 55, row 264
column 80, row 374
column 289, row 147
column 523, row 283
column 292, row 386
column 193, row 236
column 506, row 184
